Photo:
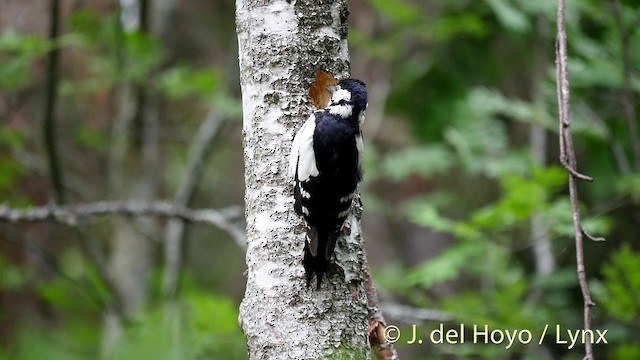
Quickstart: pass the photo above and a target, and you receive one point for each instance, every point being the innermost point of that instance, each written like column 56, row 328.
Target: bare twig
column 591, row 237
column 174, row 230
column 627, row 97
column 49, row 126
column 568, row 159
column 72, row 214
column 383, row 349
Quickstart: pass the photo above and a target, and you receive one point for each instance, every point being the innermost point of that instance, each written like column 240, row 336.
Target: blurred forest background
column 466, row 212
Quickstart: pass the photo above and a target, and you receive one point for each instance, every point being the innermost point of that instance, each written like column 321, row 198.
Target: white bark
column 281, row 44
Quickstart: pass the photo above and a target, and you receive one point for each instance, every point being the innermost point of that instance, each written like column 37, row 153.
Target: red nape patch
column 318, row 92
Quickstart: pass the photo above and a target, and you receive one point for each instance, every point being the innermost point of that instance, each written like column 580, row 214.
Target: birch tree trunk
column 281, row 44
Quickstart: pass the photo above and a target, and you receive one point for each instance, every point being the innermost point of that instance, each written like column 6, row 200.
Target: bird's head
column 349, row 92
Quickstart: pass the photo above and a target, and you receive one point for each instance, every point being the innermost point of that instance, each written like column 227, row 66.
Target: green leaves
column 183, row 81
column 445, row 266
column 400, row 11
column 629, row 185
column 425, row 161
column 509, row 15
column 521, row 197
column 10, row 170
column 620, row 292
column 11, row 276
column 17, row 52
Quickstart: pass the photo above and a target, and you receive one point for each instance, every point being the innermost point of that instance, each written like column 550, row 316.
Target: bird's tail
column 318, row 250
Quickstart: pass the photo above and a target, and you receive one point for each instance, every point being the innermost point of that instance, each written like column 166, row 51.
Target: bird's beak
column 331, row 89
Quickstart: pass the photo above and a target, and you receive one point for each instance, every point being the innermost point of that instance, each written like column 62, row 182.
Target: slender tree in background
column 281, row 44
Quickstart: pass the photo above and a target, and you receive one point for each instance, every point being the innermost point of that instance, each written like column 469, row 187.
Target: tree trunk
column 281, row 44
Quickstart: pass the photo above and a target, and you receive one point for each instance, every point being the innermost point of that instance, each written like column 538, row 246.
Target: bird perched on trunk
column 325, row 163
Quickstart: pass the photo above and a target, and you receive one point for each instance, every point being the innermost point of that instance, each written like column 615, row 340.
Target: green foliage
column 114, row 55
column 208, row 329
column 11, row 277
column 618, row 292
column 446, row 266
column 629, row 185
column 183, row 81
column 214, row 325
column 424, row 161
column 11, row 171
column 92, row 138
column 621, row 281
column 510, row 17
column 17, row 52
column 399, row 11
column 472, row 120
column 470, row 78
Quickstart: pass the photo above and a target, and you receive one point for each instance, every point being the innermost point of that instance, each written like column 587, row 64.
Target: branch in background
column 383, row 349
column 174, row 231
column 627, row 93
column 49, row 126
column 73, row 214
column 540, row 234
column 568, row 159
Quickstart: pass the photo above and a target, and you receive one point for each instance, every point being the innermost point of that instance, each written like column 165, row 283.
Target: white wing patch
column 302, row 155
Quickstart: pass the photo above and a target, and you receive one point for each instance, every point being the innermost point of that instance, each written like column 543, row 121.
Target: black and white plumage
column 325, row 165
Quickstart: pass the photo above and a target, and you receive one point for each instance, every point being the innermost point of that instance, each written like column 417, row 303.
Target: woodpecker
column 325, row 164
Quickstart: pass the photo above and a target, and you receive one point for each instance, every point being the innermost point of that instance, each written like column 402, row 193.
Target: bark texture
column 281, row 44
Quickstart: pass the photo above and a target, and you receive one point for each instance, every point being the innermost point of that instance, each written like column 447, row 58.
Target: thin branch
column 72, row 214
column 53, row 160
column 49, row 125
column 568, row 159
column 591, row 237
column 174, row 231
column 627, row 93
column 383, row 349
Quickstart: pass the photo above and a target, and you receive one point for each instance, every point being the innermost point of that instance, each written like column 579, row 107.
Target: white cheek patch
column 344, row 111
column 340, row 95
